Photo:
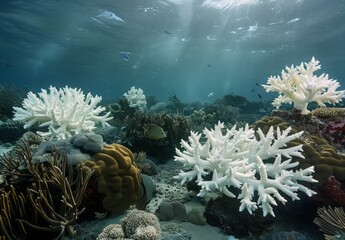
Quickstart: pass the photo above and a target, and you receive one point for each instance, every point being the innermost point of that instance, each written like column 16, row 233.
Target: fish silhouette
column 155, row 132
column 124, row 56
column 110, row 15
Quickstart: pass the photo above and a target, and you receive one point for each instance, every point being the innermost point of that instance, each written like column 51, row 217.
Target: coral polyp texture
column 118, row 177
column 65, row 112
column 299, row 85
column 258, row 164
column 137, row 225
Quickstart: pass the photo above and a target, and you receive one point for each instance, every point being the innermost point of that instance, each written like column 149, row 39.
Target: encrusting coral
column 65, row 112
column 137, row 225
column 299, row 85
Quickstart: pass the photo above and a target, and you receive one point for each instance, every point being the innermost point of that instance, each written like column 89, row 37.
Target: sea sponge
column 118, row 177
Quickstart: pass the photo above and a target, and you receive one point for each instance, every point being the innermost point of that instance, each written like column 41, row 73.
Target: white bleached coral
column 136, row 98
column 65, row 111
column 299, row 85
column 260, row 167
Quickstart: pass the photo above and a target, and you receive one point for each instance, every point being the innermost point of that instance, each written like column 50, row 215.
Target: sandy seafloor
column 171, row 189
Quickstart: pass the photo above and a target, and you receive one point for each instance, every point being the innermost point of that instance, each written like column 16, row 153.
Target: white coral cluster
column 136, row 98
column 65, row 112
column 299, row 85
column 260, row 167
column 137, row 225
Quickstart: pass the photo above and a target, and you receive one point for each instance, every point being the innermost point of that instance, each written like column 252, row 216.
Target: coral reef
column 210, row 115
column 119, row 181
column 299, row 85
column 136, row 98
column 331, row 193
column 260, row 167
column 78, row 149
column 175, row 126
column 137, row 225
column 43, row 199
column 176, row 102
column 65, row 112
column 223, row 213
column 317, row 151
column 145, row 165
column 323, row 112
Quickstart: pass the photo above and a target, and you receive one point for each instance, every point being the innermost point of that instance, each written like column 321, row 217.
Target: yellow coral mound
column 118, row 177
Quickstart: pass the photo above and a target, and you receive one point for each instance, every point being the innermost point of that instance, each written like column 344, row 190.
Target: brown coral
column 118, row 177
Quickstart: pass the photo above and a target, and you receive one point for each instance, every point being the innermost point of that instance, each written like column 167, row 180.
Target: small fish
column 209, row 65
column 210, row 94
column 110, row 15
column 257, row 84
column 293, row 20
column 8, row 65
column 154, row 132
column 167, row 32
column 124, row 56
column 259, row 95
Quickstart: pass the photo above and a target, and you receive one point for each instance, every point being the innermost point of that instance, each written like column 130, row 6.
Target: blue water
column 189, row 47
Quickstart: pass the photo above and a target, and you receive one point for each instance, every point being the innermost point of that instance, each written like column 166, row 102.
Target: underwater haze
column 188, row 47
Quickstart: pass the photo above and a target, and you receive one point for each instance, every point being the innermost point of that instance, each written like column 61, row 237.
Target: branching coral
column 299, row 85
column 232, row 158
column 66, row 112
column 136, row 98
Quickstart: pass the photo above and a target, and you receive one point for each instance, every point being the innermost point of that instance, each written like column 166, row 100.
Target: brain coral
column 118, row 177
